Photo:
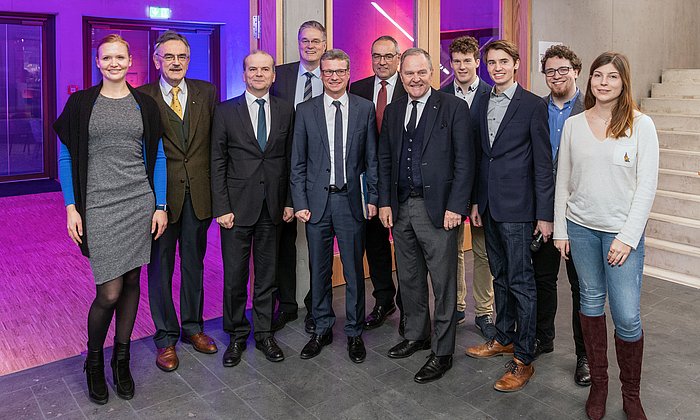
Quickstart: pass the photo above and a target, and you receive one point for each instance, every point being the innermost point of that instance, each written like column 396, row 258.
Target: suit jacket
column 242, row 175
column 285, row 85
column 483, row 89
column 365, row 88
column 447, row 166
column 191, row 165
column 311, row 161
column 578, row 108
column 515, row 175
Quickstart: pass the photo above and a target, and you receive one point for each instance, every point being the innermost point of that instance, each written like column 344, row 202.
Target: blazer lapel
column 320, row 117
column 512, row 108
column 430, row 112
column 244, row 116
column 194, row 103
column 274, row 115
column 353, row 115
column 398, row 126
column 165, row 117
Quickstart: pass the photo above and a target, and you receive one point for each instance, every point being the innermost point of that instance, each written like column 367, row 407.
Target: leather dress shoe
column 582, row 375
column 516, row 377
column 268, row 346
column 407, row 347
column 434, row 369
column 314, row 346
column 166, row 359
column 542, row 348
column 282, row 318
column 378, row 315
column 309, row 324
column 356, row 349
column 491, row 348
column 402, row 325
column 201, row 342
column 233, row 353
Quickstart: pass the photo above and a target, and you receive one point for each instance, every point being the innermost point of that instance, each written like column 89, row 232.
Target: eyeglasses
column 169, row 58
column 339, row 72
column 315, row 42
column 387, row 57
column 563, row 71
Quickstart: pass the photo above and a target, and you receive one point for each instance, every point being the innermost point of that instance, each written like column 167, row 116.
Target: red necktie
column 381, row 104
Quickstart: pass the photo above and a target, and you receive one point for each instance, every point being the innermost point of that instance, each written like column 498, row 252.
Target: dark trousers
column 235, row 247
column 378, row 250
column 338, row 221
column 510, row 260
column 546, row 264
column 287, row 270
column 191, row 233
column 421, row 248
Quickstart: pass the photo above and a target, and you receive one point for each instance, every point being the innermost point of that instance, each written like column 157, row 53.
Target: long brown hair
column 623, row 112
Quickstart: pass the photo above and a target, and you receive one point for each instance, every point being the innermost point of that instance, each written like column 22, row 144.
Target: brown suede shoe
column 167, row 360
column 516, row 377
column 201, row 342
column 491, row 348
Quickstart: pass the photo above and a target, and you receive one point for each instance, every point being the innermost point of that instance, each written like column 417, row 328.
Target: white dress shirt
column 390, row 86
column 469, row 94
column 330, row 128
column 420, row 105
column 254, row 108
column 166, row 90
column 316, row 84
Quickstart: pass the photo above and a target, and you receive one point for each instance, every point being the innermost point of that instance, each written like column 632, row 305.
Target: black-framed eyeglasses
column 387, row 57
column 339, row 72
column 169, row 58
column 563, row 71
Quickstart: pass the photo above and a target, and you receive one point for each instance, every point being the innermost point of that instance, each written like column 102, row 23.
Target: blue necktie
column 262, row 124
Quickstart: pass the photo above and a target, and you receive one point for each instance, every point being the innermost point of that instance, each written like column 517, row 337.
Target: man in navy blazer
column 334, row 143
column 467, row 85
column 515, row 190
column 426, row 169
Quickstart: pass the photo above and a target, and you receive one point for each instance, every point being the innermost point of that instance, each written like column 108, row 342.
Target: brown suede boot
column 595, row 338
column 629, row 357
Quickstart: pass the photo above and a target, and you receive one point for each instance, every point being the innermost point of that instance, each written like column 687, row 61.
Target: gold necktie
column 175, row 103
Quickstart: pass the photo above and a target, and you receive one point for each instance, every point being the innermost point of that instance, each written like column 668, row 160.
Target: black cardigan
column 72, row 129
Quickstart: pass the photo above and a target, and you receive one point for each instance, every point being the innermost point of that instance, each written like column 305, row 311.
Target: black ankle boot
column 94, row 369
column 123, row 382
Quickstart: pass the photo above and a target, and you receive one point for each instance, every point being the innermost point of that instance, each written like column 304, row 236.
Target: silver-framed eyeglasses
column 315, row 42
column 563, row 71
column 387, row 57
column 169, row 58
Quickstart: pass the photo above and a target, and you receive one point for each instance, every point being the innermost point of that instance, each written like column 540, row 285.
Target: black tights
column 120, row 295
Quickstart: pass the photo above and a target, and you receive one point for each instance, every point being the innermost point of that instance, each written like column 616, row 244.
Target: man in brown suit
column 187, row 107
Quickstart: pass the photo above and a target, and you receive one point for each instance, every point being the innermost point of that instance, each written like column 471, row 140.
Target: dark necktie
column 338, row 146
column 262, row 124
column 381, row 103
column 307, row 87
column 411, row 127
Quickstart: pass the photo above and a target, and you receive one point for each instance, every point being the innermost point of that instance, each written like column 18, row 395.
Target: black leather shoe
column 282, row 318
column 582, row 376
column 314, row 346
column 268, row 346
column 233, row 353
column 309, row 324
column 402, row 325
column 378, row 315
column 542, row 348
column 94, row 368
column 406, row 348
column 434, row 369
column 356, row 349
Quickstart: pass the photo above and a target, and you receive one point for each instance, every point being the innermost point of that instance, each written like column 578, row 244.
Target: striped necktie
column 307, row 86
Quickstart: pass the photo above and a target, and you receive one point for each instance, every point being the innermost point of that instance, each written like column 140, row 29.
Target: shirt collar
column 390, row 81
column 165, row 87
column 508, row 93
column 472, row 88
column 250, row 98
column 423, row 99
column 316, row 72
column 328, row 101
column 568, row 103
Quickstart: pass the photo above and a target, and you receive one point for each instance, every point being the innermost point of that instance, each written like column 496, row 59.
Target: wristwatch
column 163, row 207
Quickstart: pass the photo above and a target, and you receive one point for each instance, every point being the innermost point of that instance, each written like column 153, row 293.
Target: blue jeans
column 623, row 284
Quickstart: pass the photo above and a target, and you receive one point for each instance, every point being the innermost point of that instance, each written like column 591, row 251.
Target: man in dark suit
column 426, row 170
column 561, row 67
column 295, row 83
column 334, row 143
column 515, row 190
column 186, row 108
column 382, row 88
column 464, row 59
column 250, row 154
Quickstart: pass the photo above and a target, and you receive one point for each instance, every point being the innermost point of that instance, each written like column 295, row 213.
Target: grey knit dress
column 120, row 201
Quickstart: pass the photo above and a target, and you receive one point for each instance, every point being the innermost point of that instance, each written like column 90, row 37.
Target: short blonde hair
column 110, row 39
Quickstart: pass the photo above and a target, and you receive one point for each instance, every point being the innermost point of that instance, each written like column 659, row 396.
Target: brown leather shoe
column 516, row 377
column 491, row 348
column 201, row 342
column 167, row 360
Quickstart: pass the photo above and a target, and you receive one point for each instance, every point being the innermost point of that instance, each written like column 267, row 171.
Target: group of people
column 145, row 169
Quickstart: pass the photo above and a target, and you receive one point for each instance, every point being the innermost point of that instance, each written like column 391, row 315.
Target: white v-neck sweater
column 606, row 185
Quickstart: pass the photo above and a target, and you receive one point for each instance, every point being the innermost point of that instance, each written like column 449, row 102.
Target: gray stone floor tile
column 54, row 398
column 185, row 406
column 161, row 387
column 270, row 402
column 196, row 374
column 20, row 404
column 229, row 406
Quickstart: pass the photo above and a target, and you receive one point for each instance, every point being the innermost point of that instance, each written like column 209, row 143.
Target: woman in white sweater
column 606, row 182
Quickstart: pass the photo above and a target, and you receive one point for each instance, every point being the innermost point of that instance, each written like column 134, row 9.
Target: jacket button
column 187, row 160
column 328, row 170
column 262, row 182
column 182, row 181
column 490, row 159
column 325, row 188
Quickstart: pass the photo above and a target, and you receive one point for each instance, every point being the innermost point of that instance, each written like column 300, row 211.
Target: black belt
column 416, row 192
column 334, row 189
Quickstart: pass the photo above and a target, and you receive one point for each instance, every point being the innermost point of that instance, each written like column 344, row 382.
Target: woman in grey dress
column 112, row 171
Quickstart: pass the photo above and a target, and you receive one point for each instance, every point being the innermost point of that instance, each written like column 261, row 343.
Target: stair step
column 672, row 276
column 679, row 181
column 679, row 140
column 671, row 106
column 682, row 160
column 675, row 90
column 677, row 204
column 681, row 75
column 679, row 122
column 674, row 229
column 684, row 259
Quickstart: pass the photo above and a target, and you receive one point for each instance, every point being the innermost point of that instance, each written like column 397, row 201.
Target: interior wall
column 654, row 34
column 296, row 12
